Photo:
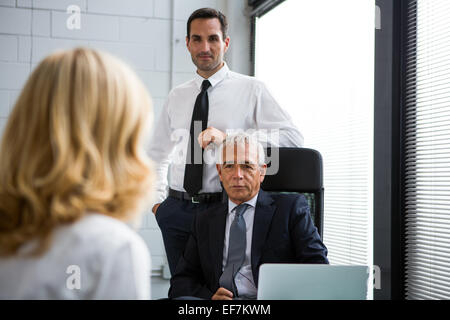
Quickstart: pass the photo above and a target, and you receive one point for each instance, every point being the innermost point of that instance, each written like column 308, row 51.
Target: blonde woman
column 73, row 174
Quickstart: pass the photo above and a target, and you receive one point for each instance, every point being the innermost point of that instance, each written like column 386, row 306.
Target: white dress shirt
column 108, row 258
column 244, row 281
column 236, row 102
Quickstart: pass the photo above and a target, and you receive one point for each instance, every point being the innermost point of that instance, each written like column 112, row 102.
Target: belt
column 197, row 198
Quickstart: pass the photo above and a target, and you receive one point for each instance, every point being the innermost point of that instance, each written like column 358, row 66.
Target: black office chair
column 300, row 171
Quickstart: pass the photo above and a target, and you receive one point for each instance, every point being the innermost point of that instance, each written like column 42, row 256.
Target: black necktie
column 193, row 172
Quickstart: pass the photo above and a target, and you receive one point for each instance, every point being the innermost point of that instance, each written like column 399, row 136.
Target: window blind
column 427, row 150
column 322, row 73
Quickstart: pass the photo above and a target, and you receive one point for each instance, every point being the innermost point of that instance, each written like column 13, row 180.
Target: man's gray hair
column 241, row 137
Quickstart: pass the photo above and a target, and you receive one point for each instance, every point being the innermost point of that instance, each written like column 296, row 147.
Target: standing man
column 200, row 112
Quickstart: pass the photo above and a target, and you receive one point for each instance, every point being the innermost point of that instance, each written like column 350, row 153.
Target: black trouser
column 174, row 218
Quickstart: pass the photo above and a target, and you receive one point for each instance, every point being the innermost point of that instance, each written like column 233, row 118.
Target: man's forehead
column 240, row 152
column 202, row 25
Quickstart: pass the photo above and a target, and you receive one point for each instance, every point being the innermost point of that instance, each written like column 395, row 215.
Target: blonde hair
column 73, row 145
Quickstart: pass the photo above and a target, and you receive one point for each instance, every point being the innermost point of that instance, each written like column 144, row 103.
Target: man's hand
column 222, row 294
column 209, row 135
column 155, row 207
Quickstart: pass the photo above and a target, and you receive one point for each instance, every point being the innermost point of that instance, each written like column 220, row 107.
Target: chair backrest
column 299, row 170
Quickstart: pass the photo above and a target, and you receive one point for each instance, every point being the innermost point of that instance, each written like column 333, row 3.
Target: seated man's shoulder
column 289, row 198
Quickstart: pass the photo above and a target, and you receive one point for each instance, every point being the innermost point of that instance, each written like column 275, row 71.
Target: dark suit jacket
column 283, row 232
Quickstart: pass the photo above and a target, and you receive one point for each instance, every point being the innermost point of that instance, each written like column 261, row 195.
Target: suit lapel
column 263, row 216
column 217, row 222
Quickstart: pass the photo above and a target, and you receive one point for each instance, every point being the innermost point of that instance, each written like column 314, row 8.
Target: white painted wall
column 138, row 31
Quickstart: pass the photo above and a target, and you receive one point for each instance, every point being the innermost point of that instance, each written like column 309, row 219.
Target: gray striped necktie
column 237, row 244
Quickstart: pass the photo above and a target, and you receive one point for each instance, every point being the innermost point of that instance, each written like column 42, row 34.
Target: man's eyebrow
column 234, row 162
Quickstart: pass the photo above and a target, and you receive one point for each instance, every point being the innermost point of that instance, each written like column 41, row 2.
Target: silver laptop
column 312, row 282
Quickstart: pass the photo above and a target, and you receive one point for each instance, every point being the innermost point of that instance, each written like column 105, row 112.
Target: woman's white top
column 97, row 257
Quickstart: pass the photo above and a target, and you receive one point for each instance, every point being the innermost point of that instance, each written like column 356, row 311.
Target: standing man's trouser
column 174, row 217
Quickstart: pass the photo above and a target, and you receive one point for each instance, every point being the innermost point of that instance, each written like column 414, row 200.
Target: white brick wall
column 139, row 56
column 138, row 31
column 93, row 27
column 9, row 48
column 138, row 8
column 13, row 75
column 52, row 4
column 8, row 3
column 162, row 9
column 41, row 23
column 15, row 21
column 4, row 104
column 184, row 8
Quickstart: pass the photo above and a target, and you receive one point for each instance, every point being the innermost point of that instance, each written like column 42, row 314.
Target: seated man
column 229, row 242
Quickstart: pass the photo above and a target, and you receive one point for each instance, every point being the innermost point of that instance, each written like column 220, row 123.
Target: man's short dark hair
column 208, row 13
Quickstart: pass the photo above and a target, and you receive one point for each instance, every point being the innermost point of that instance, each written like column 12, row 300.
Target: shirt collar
column 251, row 202
column 215, row 78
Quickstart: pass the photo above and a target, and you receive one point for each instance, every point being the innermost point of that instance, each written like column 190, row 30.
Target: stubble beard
column 209, row 66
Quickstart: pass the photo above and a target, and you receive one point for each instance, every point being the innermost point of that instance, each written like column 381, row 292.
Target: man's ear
column 263, row 170
column 219, row 171
column 187, row 42
column 227, row 43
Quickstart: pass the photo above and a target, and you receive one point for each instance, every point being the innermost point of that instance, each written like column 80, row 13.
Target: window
column 317, row 57
column 427, row 151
